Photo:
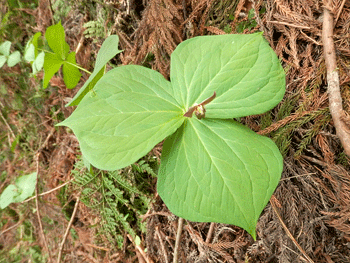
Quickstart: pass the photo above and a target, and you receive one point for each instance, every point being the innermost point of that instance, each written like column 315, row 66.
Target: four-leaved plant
column 213, row 169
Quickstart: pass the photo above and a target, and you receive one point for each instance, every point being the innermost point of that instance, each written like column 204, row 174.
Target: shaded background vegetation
column 118, row 216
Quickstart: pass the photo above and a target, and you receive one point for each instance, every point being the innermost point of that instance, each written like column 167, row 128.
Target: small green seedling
column 60, row 56
column 5, row 56
column 55, row 54
column 22, row 189
column 213, row 169
column 32, row 54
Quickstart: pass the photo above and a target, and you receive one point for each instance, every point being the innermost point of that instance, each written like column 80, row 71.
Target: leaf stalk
column 199, row 109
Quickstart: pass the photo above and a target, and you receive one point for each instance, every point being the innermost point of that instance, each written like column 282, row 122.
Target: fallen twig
column 140, row 250
column 273, row 204
column 12, row 227
column 67, row 230
column 7, row 125
column 288, row 24
column 210, row 232
column 50, row 191
column 339, row 12
column 340, row 118
column 162, row 244
column 37, row 207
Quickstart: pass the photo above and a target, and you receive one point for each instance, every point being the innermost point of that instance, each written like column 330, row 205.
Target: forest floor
column 74, row 216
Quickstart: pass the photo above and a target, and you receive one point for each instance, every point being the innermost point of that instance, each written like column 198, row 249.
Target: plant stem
column 77, row 66
column 74, row 65
column 202, row 104
column 177, row 242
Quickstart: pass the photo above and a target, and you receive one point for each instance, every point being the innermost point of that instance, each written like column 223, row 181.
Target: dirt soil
column 307, row 218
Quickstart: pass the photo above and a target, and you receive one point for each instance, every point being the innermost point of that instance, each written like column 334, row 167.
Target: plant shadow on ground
column 312, row 199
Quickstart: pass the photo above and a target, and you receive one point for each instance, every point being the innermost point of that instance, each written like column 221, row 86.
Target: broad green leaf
column 55, row 37
column 243, row 70
column 52, row 64
column 26, row 185
column 5, row 48
column 14, row 58
column 218, row 171
column 8, row 195
column 212, row 170
column 107, row 51
column 2, row 60
column 87, row 164
column 95, row 80
column 71, row 74
column 128, row 112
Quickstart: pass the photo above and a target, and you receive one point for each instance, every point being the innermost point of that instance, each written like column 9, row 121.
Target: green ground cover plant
column 120, row 198
column 49, row 53
column 5, row 56
column 213, row 169
column 22, row 189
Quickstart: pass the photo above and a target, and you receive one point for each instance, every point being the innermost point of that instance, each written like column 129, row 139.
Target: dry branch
column 340, row 118
column 67, row 229
column 273, row 202
column 37, row 207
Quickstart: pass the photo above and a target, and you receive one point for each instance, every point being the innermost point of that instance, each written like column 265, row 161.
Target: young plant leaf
column 2, row 60
column 5, row 48
column 52, row 64
column 107, row 51
column 29, row 54
column 36, row 41
column 38, row 63
column 71, row 74
column 14, row 58
column 118, row 125
column 26, row 184
column 56, row 39
column 23, row 188
column 243, row 70
column 218, row 171
column 8, row 196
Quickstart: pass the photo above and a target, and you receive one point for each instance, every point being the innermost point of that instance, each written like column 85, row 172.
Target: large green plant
column 213, row 169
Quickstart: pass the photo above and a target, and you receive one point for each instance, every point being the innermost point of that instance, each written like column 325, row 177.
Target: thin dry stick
column 80, row 44
column 339, row 117
column 7, row 125
column 178, row 237
column 339, row 12
column 272, row 202
column 140, row 249
column 210, row 232
column 12, row 227
column 97, row 247
column 37, row 207
column 47, row 192
column 162, row 244
column 67, row 230
column 288, row 24
column 46, row 140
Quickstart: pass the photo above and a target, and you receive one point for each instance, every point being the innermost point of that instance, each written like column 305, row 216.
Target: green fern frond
column 116, row 198
column 94, row 30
